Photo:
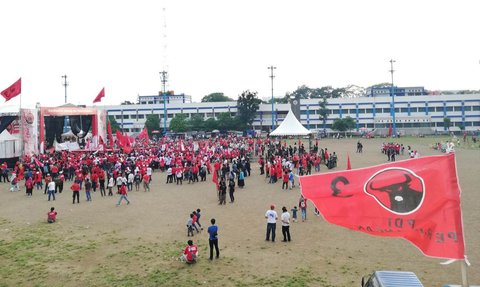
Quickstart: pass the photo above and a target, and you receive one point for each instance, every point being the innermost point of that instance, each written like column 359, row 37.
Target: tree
column 126, row 103
column 342, row 125
column 152, row 123
column 216, row 97
column 323, row 111
column 211, row 124
column 446, row 124
column 197, row 123
column 225, row 122
column 113, row 123
column 247, row 106
column 179, row 123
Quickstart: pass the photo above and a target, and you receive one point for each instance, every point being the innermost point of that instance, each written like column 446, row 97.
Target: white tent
column 9, row 145
column 290, row 127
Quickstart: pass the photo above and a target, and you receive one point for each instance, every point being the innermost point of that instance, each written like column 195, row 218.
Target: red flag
column 143, row 134
column 14, row 90
column 39, row 163
column 349, row 165
column 405, row 199
column 100, row 96
column 390, row 130
column 109, row 131
column 120, row 140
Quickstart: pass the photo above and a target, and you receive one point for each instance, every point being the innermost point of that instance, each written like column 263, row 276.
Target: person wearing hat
column 271, row 216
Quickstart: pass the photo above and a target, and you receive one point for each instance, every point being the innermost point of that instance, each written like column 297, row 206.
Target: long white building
column 413, row 114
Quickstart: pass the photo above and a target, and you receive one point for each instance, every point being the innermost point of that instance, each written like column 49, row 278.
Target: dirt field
column 98, row 244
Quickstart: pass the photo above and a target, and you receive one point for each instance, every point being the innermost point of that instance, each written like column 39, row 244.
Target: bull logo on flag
column 398, row 190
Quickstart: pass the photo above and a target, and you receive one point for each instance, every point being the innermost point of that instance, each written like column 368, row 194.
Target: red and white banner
column 417, row 199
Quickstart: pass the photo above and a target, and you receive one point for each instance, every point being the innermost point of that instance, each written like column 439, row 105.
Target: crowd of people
column 226, row 160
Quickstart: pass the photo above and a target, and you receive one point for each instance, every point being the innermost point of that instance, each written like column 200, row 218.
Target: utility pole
column 392, row 93
column 271, row 68
column 65, row 84
column 163, row 77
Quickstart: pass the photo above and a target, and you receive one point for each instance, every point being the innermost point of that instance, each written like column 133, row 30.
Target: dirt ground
column 98, row 244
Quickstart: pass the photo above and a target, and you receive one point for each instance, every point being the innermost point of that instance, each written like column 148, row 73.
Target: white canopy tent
column 290, row 127
column 9, row 145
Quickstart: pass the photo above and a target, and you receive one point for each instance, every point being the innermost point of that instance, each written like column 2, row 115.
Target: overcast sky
column 226, row 46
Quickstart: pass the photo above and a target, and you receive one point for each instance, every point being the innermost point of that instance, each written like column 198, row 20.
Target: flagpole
column 463, row 268
column 21, row 127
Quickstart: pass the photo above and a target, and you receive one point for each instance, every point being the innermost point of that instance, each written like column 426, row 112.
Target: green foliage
column 210, row 124
column 225, row 122
column 196, row 123
column 447, row 123
column 216, row 97
column 248, row 105
column 113, row 123
column 127, row 103
column 152, row 123
column 323, row 111
column 179, row 123
column 344, row 124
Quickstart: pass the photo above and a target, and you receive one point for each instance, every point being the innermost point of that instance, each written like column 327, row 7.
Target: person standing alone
column 285, row 224
column 271, row 216
column 213, row 239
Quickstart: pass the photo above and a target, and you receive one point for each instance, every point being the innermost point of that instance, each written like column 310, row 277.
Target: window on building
column 335, row 112
column 430, row 109
column 369, row 111
column 117, row 117
column 476, row 108
column 140, row 116
column 150, row 102
column 209, row 115
column 439, row 109
column 404, row 110
column 449, row 109
column 457, row 109
column 468, row 108
column 170, row 116
column 126, row 117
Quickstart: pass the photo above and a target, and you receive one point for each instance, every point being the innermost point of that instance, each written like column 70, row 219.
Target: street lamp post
column 392, row 92
column 66, row 120
column 163, row 75
column 272, row 76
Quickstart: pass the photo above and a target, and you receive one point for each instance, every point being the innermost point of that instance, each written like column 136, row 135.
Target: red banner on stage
column 417, row 199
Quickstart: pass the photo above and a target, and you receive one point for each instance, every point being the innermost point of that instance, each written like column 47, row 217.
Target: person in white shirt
column 111, row 183
column 51, row 190
column 130, row 181
column 271, row 216
column 285, row 224
column 149, row 173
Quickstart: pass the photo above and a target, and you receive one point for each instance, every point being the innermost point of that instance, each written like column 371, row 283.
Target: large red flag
column 416, row 199
column 14, row 90
column 99, row 96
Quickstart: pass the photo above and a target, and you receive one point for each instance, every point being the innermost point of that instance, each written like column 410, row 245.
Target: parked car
column 392, row 279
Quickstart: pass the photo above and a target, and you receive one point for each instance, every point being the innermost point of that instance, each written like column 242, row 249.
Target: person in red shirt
column 48, row 178
column 146, row 182
column 123, row 194
column 52, row 215
column 285, row 179
column 76, row 191
column 190, row 253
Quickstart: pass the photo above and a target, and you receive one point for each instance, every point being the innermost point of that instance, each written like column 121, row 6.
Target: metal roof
column 398, row 279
